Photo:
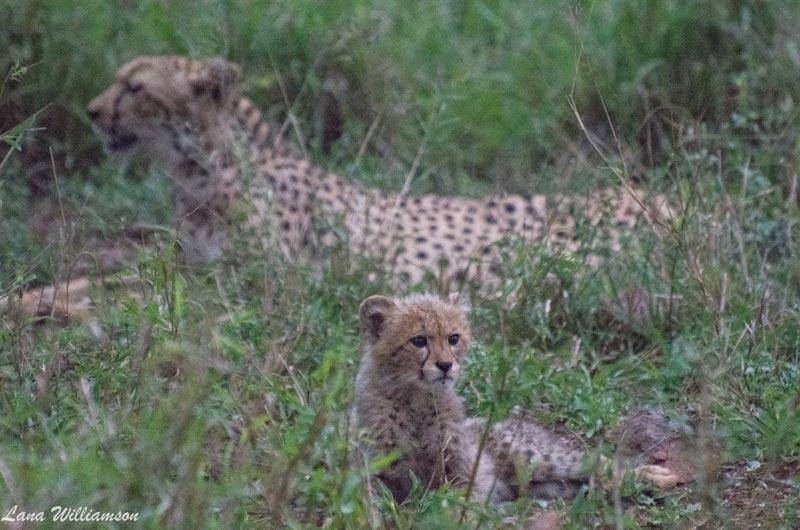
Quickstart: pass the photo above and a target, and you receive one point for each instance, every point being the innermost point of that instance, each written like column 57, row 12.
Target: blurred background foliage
column 485, row 83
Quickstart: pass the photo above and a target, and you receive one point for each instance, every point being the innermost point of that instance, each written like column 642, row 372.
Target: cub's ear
column 373, row 313
column 219, row 79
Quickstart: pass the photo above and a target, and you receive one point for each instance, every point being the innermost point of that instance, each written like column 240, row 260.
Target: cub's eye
column 419, row 341
column 134, row 87
column 453, row 339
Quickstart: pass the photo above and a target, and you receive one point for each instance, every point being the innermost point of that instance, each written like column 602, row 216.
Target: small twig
column 58, row 189
column 5, row 473
column 290, row 116
column 143, row 342
column 791, row 196
column 730, row 208
column 295, row 383
column 722, row 296
column 621, row 175
column 370, row 132
column 6, row 157
column 281, row 490
column 616, row 493
column 417, row 158
column 86, row 390
column 62, row 259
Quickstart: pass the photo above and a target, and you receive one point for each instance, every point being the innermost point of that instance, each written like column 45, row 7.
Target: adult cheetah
column 234, row 175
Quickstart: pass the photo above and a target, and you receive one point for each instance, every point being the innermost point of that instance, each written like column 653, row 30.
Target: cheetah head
column 158, row 106
column 419, row 341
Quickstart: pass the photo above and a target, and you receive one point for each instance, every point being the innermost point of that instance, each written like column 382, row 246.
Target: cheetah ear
column 220, row 80
column 455, row 298
column 373, row 313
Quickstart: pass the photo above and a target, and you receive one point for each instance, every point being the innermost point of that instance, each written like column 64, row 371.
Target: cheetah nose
column 444, row 366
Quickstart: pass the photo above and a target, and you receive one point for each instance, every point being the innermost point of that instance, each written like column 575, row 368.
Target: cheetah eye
column 419, row 341
column 133, row 87
column 453, row 339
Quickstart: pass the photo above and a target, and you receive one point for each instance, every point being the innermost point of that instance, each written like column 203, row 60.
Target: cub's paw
column 658, row 476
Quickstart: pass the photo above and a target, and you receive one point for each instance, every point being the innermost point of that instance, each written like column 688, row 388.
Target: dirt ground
column 767, row 497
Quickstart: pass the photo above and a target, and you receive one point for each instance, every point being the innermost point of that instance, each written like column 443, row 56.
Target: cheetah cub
column 405, row 397
column 406, row 405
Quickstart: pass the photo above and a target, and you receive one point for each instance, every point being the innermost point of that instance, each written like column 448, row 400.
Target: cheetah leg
column 67, row 299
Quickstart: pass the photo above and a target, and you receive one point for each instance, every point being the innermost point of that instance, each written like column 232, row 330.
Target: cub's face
column 420, row 340
column 156, row 104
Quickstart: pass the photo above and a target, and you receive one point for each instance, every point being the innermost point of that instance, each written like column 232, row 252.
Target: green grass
column 245, row 372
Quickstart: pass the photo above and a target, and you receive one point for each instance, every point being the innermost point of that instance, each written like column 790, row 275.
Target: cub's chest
column 431, row 423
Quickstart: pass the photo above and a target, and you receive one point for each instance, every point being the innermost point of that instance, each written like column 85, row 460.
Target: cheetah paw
column 659, row 476
column 64, row 300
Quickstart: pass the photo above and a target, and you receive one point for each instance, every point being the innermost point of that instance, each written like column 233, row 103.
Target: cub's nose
column 444, row 366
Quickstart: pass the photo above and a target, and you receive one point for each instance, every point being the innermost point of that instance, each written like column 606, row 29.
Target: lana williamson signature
column 66, row 514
